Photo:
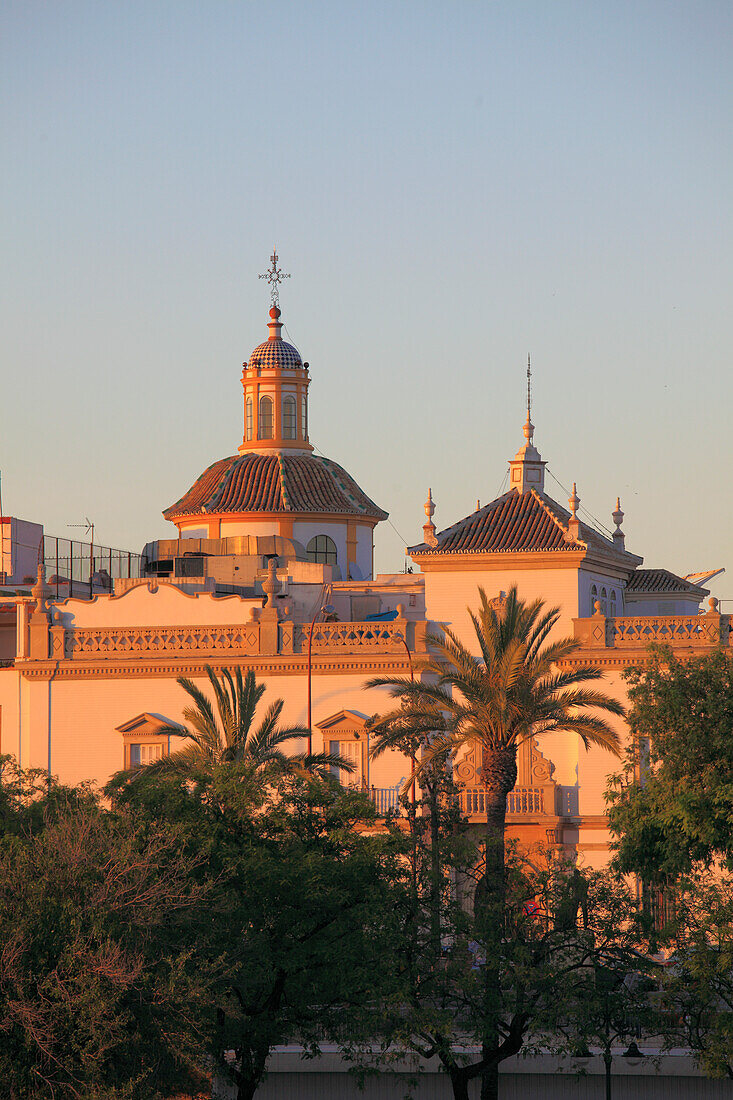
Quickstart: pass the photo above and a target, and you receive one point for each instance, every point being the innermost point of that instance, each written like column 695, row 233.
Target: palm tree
column 221, row 731
column 512, row 691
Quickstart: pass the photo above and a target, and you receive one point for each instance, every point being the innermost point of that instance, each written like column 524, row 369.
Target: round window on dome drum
column 322, row 549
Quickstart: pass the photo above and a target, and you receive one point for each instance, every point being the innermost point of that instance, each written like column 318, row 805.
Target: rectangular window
column 145, row 754
column 351, row 751
column 289, row 418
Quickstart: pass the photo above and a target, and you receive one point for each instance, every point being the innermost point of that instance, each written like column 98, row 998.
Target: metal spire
column 529, row 426
column 274, row 277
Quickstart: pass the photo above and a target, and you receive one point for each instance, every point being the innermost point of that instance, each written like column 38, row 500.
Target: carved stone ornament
column 533, row 769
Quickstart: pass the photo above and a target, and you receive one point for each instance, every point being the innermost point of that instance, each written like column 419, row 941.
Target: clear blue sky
column 450, row 184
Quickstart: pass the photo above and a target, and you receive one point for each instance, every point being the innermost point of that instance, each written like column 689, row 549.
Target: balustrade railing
column 238, row 639
column 386, row 799
column 521, row 800
column 383, row 636
column 640, row 631
column 139, row 640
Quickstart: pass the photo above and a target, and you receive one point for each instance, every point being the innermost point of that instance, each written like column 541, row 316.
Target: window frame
column 290, row 417
column 322, row 555
column 266, row 417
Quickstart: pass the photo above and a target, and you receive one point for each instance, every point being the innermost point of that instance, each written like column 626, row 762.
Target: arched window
column 604, row 602
column 289, row 417
column 249, row 425
column 593, row 598
column 322, row 549
column 265, row 425
column 304, row 416
column 612, row 604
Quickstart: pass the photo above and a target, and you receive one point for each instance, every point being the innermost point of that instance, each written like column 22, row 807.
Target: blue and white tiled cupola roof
column 274, row 353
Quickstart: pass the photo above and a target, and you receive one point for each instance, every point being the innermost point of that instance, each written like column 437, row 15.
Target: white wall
column 587, row 579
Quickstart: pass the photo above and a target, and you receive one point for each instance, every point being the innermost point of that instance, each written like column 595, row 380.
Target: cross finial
column 274, row 277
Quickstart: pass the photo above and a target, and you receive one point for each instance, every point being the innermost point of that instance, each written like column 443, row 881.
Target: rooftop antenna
column 89, row 528
column 274, row 277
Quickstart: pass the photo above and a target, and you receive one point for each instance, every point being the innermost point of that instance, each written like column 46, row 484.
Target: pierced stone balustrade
column 251, row 638
column 87, row 642
column 640, row 631
column 385, row 637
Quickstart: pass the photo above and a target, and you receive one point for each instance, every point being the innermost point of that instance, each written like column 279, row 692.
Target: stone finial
column 713, row 605
column 618, row 517
column 41, row 592
column 429, row 527
column 271, row 585
column 574, row 523
column 574, row 501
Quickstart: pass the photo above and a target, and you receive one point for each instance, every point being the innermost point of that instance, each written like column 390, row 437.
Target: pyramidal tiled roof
column 517, row 522
column 275, row 483
column 661, row 580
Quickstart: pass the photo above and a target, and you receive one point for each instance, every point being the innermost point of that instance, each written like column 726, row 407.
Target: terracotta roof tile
column 515, row 522
column 275, row 483
column 661, row 580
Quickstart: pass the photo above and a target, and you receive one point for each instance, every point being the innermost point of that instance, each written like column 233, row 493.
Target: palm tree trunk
column 499, row 774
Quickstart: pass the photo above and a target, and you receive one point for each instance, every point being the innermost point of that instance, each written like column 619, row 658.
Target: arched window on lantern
column 304, row 416
column 593, row 598
column 289, row 418
column 265, row 424
column 249, row 424
column 322, row 549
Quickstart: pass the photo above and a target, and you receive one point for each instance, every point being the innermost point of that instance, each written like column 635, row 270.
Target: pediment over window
column 142, row 725
column 344, row 724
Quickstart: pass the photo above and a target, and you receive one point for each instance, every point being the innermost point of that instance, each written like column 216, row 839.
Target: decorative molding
column 535, row 793
column 140, row 668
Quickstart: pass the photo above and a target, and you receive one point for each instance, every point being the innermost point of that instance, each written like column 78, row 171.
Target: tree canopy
column 671, row 807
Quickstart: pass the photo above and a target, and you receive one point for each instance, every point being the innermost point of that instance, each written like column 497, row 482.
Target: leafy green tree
column 302, row 913
column 671, row 807
column 563, row 930
column 100, row 994
column 224, row 730
column 512, row 691
column 698, row 977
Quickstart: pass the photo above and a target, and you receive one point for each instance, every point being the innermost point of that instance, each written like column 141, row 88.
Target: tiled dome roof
column 275, row 483
column 275, row 353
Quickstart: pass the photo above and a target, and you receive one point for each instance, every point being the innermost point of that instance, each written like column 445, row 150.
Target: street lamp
column 323, row 609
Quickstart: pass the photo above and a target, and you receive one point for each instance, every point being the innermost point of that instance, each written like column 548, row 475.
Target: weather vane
column 274, row 277
column 529, row 389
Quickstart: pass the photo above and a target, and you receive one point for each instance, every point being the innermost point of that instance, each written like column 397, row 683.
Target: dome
column 252, row 483
column 274, row 353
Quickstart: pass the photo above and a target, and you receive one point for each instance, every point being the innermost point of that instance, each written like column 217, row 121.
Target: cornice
column 285, row 513
column 520, row 559
column 113, row 669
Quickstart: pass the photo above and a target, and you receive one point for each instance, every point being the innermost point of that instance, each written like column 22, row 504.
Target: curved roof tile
column 516, row 522
column 275, row 483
